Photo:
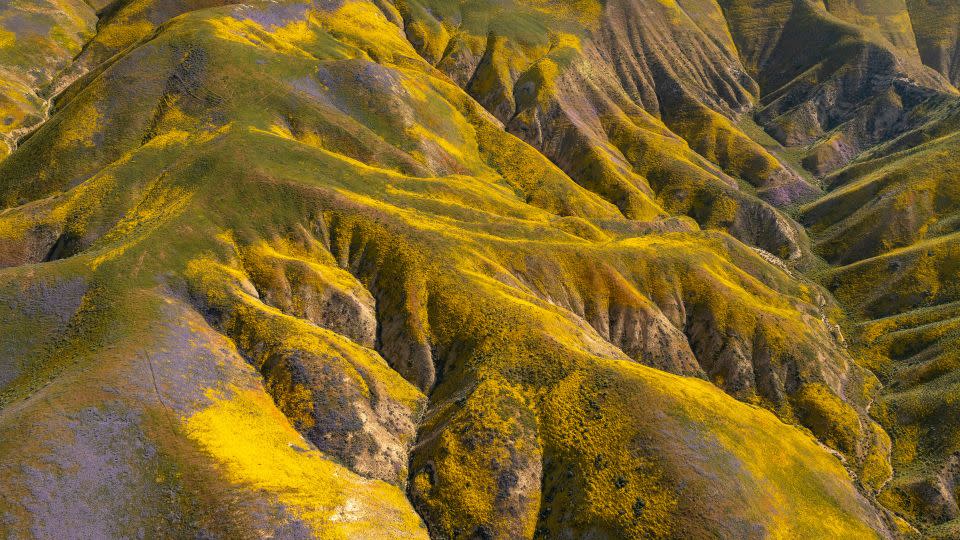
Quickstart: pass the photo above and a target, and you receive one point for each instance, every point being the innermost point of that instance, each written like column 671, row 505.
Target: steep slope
column 837, row 77
column 890, row 227
column 936, row 25
column 37, row 41
column 600, row 102
column 296, row 273
column 887, row 224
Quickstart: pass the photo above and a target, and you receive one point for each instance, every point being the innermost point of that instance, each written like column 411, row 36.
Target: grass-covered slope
column 38, row 40
column 847, row 86
column 836, row 77
column 634, row 100
column 890, row 227
column 270, row 271
column 936, row 25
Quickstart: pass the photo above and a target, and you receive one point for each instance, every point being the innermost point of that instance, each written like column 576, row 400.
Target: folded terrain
column 494, row 269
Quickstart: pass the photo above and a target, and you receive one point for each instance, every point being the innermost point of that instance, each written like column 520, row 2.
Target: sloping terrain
column 889, row 226
column 493, row 269
column 38, row 41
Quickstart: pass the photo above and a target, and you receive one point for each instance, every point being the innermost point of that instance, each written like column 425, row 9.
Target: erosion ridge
column 478, row 269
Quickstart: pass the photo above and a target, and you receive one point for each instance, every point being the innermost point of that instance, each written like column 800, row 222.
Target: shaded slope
column 936, row 25
column 836, row 77
column 889, row 224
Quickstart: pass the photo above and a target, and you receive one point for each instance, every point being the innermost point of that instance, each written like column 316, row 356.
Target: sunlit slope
column 636, row 100
column 257, row 241
column 578, row 84
column 38, row 39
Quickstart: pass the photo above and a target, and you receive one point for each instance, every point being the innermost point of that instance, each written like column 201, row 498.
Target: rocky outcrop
column 340, row 395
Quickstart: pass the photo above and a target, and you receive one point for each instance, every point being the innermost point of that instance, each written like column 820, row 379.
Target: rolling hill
column 479, row 269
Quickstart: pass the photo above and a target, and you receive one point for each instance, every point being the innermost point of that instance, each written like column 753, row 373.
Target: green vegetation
column 504, row 269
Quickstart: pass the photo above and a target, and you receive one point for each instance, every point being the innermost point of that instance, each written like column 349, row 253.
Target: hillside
column 479, row 269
